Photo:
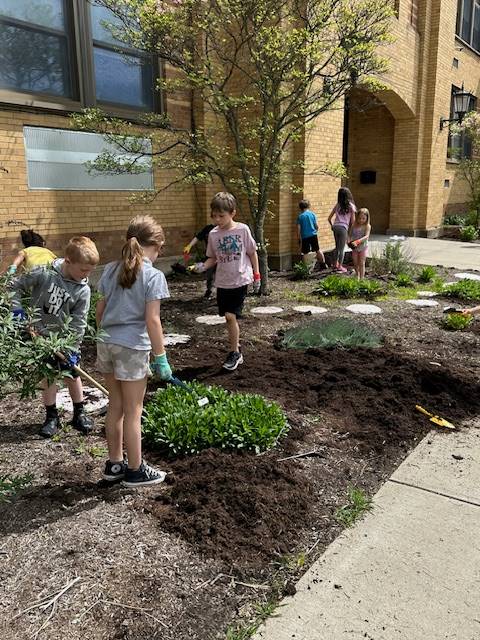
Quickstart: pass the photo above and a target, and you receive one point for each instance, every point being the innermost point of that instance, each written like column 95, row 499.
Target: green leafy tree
column 469, row 168
column 260, row 73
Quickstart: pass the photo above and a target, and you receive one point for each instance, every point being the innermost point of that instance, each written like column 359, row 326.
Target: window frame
column 82, row 70
column 459, row 21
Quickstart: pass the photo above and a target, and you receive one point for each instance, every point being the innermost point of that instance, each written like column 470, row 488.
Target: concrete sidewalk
column 411, row 568
column 447, row 253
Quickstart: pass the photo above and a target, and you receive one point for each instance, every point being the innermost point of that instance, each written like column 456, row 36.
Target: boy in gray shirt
column 58, row 293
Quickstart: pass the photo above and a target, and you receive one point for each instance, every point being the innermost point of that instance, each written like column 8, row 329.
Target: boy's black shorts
column 310, row 244
column 231, row 300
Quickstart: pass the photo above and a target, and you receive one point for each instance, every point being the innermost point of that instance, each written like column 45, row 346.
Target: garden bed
column 226, row 530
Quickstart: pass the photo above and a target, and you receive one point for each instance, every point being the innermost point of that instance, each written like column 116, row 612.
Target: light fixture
column 462, row 101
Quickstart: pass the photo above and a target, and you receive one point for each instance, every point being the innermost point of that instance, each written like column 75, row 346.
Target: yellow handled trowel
column 441, row 422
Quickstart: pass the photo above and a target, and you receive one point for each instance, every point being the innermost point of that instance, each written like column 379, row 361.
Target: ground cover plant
column 456, row 321
column 358, row 503
column 463, row 290
column 468, row 234
column 404, row 280
column 427, row 274
column 328, row 333
column 11, row 484
column 342, row 287
column 175, row 422
column 301, row 270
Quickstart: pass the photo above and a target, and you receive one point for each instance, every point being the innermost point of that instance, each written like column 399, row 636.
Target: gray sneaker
column 234, row 358
column 143, row 476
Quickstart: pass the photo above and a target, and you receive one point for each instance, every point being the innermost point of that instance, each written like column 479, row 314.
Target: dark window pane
column 476, row 27
column 467, row 20
column 46, row 13
column 459, row 16
column 34, row 61
column 123, row 79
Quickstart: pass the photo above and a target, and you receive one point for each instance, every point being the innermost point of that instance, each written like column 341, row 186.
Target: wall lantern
column 462, row 104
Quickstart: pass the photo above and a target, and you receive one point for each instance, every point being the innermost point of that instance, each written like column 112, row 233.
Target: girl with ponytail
column 129, row 314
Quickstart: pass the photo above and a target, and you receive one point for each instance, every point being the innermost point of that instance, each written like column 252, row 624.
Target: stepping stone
column 306, row 308
column 211, row 320
column 94, row 400
column 467, row 276
column 266, row 310
column 365, row 309
column 427, row 294
column 423, row 303
column 176, row 338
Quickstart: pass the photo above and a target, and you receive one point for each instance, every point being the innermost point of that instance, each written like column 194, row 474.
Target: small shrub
column 358, row 504
column 456, row 321
column 473, row 219
column 174, row 422
column 341, row 332
column 395, row 258
column 10, row 485
column 348, row 287
column 301, row 270
column 427, row 274
column 463, row 290
column 468, row 234
column 403, row 280
column 453, row 220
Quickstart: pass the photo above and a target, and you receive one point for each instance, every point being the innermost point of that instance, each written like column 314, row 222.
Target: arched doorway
column 368, row 153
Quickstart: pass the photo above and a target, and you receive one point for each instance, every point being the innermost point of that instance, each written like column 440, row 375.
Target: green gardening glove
column 160, row 367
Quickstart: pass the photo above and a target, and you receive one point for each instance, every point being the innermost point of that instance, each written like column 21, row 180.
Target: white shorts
column 125, row 364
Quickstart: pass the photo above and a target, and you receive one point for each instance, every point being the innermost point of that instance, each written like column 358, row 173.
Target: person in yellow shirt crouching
column 34, row 254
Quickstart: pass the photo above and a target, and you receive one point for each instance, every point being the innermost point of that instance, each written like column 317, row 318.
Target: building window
column 60, row 52
column 468, row 22
column 56, row 161
column 459, row 145
column 36, row 54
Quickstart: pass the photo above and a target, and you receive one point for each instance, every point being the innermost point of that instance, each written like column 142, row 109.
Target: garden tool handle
column 424, row 411
column 83, row 374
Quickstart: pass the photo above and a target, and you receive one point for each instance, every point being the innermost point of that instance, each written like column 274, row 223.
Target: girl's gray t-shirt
column 124, row 317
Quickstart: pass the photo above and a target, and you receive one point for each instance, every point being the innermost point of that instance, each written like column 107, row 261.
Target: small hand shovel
column 441, row 422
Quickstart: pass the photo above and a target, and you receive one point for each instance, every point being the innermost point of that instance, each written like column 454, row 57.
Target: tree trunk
column 262, row 252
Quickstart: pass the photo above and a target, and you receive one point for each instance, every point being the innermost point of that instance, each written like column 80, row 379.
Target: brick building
column 57, row 58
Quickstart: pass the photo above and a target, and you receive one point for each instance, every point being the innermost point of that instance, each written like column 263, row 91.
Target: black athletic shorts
column 231, row 300
column 310, row 244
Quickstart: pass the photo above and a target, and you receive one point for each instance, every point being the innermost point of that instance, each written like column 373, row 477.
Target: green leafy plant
column 358, row 503
column 453, row 220
column 97, row 451
column 463, row 290
column 456, row 321
column 174, row 422
column 403, row 280
column 301, row 270
column 468, row 234
column 11, row 484
column 395, row 258
column 427, row 274
column 340, row 332
column 342, row 287
column 25, row 361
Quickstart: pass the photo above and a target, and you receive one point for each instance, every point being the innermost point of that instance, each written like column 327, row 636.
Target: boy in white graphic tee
column 232, row 249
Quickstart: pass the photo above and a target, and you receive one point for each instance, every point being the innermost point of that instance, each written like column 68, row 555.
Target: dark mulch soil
column 187, row 551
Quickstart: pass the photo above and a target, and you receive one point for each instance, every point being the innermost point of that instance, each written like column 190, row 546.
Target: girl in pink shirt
column 344, row 212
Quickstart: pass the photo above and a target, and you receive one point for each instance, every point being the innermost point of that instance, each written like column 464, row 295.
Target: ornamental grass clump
column 427, row 274
column 301, row 270
column 341, row 332
column 403, row 280
column 348, row 287
column 463, row 290
column 175, row 423
column 456, row 321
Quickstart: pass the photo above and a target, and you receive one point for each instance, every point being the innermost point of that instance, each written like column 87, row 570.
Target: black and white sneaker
column 234, row 358
column 143, row 476
column 114, row 471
